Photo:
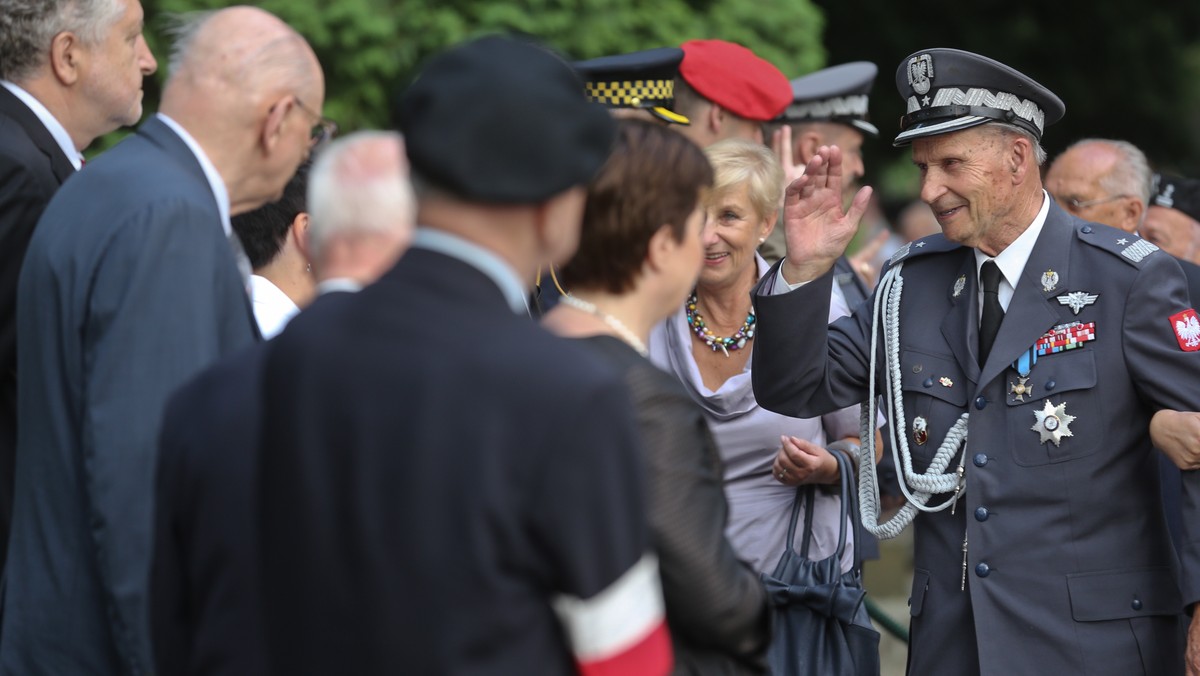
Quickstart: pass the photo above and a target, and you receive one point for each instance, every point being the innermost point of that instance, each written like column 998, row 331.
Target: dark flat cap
column 501, row 120
column 1176, row 192
column 735, row 78
column 835, row 94
column 644, row 80
column 948, row 89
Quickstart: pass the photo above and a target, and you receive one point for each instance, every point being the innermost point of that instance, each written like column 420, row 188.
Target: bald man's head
column 250, row 90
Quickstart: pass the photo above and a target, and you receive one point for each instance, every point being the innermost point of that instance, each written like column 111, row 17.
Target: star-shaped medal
column 1021, row 388
column 1053, row 423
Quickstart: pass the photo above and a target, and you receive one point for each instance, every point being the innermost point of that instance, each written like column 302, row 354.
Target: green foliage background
column 370, row 48
column 1125, row 70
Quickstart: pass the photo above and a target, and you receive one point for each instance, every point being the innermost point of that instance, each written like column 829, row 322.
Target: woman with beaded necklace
column 639, row 254
column 707, row 342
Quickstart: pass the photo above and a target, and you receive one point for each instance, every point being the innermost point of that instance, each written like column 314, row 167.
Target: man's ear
column 272, row 126
column 1133, row 211
column 66, row 57
column 807, row 144
column 1020, row 154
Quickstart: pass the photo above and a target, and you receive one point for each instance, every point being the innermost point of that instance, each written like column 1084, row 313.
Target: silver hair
column 27, row 28
column 181, row 30
column 1039, row 153
column 346, row 194
column 1130, row 176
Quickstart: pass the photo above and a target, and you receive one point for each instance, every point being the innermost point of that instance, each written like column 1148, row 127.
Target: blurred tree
column 1125, row 70
column 370, row 48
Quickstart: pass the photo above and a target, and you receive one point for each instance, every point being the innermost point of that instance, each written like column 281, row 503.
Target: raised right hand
column 816, row 226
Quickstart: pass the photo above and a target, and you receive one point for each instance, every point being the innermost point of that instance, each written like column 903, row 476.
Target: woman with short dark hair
column 640, row 251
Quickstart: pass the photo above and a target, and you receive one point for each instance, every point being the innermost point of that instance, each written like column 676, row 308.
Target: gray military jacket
column 1069, row 568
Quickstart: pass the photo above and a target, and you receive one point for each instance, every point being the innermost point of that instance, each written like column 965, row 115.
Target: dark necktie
column 989, row 323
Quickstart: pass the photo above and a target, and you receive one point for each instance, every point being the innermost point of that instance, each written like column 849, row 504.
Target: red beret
column 732, row 77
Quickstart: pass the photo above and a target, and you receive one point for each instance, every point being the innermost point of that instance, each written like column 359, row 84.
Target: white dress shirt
column 59, row 132
column 272, row 307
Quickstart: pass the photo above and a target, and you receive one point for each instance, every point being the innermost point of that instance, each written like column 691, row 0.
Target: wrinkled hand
column 781, row 144
column 1177, row 434
column 864, row 260
column 803, row 462
column 1192, row 656
column 816, row 226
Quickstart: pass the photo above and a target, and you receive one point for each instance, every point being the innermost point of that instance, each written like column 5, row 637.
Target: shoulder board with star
column 926, row 245
column 1127, row 246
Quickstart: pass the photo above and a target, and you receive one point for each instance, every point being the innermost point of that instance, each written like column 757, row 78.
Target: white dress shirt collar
column 59, row 132
column 1012, row 260
column 215, row 182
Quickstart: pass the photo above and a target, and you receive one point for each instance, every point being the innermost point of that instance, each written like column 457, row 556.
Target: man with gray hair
column 361, row 217
column 132, row 288
column 70, row 70
column 361, row 209
column 1102, row 180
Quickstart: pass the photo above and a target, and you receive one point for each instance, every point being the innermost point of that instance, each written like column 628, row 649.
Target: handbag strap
column 848, row 508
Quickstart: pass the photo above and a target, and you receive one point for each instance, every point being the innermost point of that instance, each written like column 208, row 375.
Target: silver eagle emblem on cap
column 1077, row 300
column 920, row 72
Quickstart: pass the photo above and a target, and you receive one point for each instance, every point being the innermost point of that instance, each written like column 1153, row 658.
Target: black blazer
column 436, row 470
column 32, row 166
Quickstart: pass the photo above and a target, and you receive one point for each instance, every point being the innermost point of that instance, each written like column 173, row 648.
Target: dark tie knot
column 989, row 277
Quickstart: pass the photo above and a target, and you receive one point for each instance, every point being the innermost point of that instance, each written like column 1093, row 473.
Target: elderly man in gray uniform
column 1022, row 354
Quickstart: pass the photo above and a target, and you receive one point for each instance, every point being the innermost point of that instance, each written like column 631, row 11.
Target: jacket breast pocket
column 1056, row 414
column 935, row 395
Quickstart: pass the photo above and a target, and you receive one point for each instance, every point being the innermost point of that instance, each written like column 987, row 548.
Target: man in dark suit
column 205, row 585
column 129, row 288
column 1023, row 353
column 463, row 487
column 56, row 96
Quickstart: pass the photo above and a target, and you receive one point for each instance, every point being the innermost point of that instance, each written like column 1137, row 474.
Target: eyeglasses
column 323, row 130
column 1074, row 205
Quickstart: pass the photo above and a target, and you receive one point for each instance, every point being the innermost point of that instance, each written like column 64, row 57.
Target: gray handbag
column 822, row 626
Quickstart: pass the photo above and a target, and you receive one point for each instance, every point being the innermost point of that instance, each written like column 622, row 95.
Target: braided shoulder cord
column 917, row 488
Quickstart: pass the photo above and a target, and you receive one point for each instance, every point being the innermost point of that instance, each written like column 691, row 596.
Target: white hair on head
column 181, row 30
column 27, row 28
column 359, row 183
column 1039, row 153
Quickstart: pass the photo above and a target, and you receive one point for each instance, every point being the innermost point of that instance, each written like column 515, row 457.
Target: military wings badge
column 1077, row 300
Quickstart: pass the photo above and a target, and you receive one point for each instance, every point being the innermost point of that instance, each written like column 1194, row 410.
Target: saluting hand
column 816, row 226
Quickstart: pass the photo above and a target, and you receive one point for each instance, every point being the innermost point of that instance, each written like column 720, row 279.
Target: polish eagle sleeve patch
column 1186, row 325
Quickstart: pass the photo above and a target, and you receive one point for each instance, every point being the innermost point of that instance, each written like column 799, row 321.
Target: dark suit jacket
column 1070, row 568
column 205, row 606
column 32, row 167
column 129, row 288
column 436, row 469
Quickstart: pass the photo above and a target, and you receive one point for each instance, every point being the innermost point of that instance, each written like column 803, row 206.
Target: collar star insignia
column 919, row 244
column 1122, row 241
column 1053, row 423
column 1021, row 388
column 1077, row 300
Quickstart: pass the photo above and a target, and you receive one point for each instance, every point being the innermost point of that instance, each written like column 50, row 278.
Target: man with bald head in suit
column 132, row 288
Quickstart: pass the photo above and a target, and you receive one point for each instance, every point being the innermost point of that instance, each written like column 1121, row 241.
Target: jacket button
column 980, row 402
column 1137, row 604
column 928, row 382
column 981, row 514
column 983, row 570
column 1087, row 229
column 1050, row 384
column 980, row 459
